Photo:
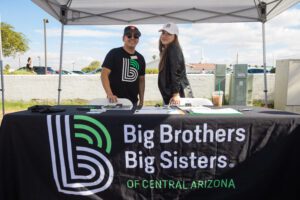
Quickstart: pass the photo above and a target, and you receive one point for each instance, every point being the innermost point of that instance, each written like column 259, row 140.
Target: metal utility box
column 238, row 89
column 250, row 90
column 287, row 85
column 220, row 78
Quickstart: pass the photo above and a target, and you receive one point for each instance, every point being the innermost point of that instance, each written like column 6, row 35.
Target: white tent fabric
column 104, row 12
column 117, row 12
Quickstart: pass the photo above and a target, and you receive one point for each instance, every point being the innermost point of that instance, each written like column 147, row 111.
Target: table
column 119, row 155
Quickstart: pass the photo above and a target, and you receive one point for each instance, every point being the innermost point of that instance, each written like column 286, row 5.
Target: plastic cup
column 217, row 98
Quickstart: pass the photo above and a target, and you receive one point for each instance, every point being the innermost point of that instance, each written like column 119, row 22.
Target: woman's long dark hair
column 163, row 51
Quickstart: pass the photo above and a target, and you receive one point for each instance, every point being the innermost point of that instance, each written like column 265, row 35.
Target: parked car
column 78, row 72
column 256, row 71
column 40, row 70
column 64, row 72
column 96, row 71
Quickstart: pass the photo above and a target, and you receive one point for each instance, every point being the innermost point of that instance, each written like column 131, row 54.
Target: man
column 123, row 70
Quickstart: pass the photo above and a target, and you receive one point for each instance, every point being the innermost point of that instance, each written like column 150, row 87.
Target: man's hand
column 112, row 98
column 106, row 85
column 140, row 105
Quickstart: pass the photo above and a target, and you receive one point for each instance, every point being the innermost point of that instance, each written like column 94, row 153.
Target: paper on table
column 96, row 111
column 214, row 111
column 117, row 107
column 159, row 110
column 189, row 108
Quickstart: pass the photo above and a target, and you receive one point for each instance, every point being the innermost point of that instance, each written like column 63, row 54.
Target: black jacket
column 172, row 78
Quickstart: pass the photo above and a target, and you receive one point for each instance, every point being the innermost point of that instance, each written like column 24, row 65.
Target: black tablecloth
column 119, row 155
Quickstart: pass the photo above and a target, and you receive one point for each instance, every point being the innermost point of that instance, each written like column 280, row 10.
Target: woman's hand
column 175, row 100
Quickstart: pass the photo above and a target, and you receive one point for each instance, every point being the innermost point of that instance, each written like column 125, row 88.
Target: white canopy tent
column 104, row 12
column 117, row 12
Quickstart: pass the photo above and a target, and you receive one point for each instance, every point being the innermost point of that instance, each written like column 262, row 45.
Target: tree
column 273, row 70
column 91, row 67
column 12, row 42
column 6, row 69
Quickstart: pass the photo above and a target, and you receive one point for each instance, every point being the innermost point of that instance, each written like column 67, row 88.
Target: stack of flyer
column 214, row 111
column 160, row 110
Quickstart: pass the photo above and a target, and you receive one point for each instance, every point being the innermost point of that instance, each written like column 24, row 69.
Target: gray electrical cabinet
column 220, row 78
column 287, row 85
column 238, row 89
column 250, row 89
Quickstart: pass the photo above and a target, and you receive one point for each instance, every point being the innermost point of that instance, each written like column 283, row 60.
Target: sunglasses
column 135, row 36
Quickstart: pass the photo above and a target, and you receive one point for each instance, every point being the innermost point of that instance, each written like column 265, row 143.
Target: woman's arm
column 175, row 59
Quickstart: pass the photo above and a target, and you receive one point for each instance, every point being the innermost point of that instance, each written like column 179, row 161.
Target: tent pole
column 1, row 68
column 264, row 64
column 60, row 62
column 2, row 86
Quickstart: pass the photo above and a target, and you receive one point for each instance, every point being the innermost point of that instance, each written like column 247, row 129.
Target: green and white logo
column 130, row 70
column 79, row 146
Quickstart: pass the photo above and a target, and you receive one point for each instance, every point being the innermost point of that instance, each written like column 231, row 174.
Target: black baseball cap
column 132, row 29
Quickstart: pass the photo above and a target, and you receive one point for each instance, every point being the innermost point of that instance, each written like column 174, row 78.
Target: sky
column 227, row 43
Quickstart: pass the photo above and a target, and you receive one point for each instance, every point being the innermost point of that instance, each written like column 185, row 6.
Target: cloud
column 53, row 32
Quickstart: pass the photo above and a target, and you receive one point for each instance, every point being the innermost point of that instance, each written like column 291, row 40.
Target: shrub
column 22, row 72
column 152, row 71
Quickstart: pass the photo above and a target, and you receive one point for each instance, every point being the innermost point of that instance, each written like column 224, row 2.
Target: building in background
column 200, row 68
column 152, row 64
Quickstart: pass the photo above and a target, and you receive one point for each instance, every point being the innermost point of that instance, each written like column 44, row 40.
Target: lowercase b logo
column 79, row 147
column 130, row 70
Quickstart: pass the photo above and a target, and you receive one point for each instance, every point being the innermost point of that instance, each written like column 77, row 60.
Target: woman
column 29, row 64
column 172, row 79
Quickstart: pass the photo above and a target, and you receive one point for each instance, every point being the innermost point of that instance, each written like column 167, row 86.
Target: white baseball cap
column 170, row 28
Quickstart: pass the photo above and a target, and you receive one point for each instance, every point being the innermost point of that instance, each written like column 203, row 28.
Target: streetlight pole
column 19, row 60
column 73, row 65
column 39, row 60
column 45, row 43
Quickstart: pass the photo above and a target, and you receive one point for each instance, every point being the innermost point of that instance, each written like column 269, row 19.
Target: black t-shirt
column 125, row 71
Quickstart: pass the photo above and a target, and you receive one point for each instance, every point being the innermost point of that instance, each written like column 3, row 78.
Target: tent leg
column 2, row 83
column 264, row 64
column 60, row 63
column 1, row 68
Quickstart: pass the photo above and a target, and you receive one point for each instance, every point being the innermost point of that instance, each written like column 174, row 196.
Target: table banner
column 96, row 157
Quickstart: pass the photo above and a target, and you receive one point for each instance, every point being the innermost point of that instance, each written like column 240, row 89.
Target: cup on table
column 217, row 98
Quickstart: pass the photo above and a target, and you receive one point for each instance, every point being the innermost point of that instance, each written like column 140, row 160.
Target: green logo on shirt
column 135, row 64
column 130, row 71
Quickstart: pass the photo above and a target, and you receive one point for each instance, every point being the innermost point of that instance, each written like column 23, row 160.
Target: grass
column 152, row 71
column 21, row 72
column 15, row 106
column 261, row 103
column 23, row 105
